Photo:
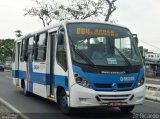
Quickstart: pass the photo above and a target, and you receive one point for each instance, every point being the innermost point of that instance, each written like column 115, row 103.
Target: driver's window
column 61, row 54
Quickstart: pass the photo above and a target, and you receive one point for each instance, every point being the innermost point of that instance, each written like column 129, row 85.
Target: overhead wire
column 150, row 44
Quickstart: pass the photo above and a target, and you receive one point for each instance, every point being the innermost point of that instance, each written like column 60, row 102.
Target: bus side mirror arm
column 60, row 38
column 135, row 37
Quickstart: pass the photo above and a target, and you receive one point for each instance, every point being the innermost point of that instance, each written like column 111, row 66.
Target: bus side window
column 41, row 45
column 61, row 52
column 30, row 48
column 23, row 49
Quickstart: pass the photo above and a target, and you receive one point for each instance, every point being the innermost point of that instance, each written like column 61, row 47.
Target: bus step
column 51, row 98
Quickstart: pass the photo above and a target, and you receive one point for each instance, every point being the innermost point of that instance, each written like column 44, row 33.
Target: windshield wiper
column 123, row 56
column 84, row 57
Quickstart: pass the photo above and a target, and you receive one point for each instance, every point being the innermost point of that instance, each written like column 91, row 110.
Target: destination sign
column 97, row 32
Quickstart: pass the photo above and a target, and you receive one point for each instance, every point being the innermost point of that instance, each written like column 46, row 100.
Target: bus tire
column 127, row 109
column 63, row 103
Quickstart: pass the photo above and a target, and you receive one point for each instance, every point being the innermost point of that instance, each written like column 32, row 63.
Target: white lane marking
column 152, row 101
column 13, row 108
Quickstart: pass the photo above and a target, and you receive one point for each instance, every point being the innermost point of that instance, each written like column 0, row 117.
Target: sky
column 142, row 17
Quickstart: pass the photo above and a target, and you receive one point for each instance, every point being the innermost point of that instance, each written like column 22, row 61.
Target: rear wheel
column 63, row 102
column 126, row 109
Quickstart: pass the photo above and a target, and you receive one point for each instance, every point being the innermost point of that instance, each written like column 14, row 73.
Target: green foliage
column 6, row 47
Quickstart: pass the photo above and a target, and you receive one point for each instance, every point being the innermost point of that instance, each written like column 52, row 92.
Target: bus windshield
column 102, row 45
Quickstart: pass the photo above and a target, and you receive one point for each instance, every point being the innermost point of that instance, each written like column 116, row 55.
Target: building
column 152, row 56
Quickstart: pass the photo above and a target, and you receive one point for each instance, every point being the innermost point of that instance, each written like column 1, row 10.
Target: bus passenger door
column 61, row 64
column 53, row 37
column 17, row 58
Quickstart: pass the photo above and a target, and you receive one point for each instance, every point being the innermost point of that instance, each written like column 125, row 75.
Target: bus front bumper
column 85, row 97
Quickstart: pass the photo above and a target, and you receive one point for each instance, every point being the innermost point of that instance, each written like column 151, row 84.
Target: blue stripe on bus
column 61, row 81
column 15, row 73
column 30, row 86
column 41, row 78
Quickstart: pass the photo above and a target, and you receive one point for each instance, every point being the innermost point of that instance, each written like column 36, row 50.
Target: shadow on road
column 83, row 113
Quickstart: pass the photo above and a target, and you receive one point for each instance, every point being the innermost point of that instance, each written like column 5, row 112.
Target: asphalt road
column 36, row 107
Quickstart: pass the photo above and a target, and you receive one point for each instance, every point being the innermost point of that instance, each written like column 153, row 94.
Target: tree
column 111, row 8
column 44, row 10
column 89, row 9
column 18, row 33
column 71, row 9
column 83, row 9
column 6, row 47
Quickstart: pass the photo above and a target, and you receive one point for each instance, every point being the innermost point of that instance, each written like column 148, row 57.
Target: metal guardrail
column 153, row 92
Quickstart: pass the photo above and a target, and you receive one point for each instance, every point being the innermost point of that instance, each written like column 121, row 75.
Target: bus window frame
column 35, row 47
column 64, row 42
column 23, row 48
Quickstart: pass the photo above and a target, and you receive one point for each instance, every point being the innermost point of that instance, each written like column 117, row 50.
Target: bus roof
column 63, row 23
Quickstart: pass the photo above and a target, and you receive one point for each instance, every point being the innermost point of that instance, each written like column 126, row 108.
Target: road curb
column 152, row 79
column 13, row 109
column 153, row 92
column 152, row 100
column 7, row 70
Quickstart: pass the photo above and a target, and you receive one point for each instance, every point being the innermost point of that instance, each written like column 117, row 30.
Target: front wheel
column 126, row 109
column 63, row 103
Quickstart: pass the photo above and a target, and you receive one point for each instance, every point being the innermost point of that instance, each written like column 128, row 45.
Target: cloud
column 142, row 17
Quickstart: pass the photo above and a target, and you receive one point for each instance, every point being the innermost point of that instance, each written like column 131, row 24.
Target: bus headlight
column 81, row 81
column 140, row 82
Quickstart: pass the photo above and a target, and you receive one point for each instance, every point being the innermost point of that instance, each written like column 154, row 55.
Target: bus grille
column 109, row 86
column 112, row 98
column 124, row 85
column 103, row 85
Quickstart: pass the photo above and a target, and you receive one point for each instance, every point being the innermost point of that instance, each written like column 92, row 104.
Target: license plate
column 114, row 104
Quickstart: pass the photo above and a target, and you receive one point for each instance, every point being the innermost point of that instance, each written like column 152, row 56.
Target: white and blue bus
column 81, row 64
